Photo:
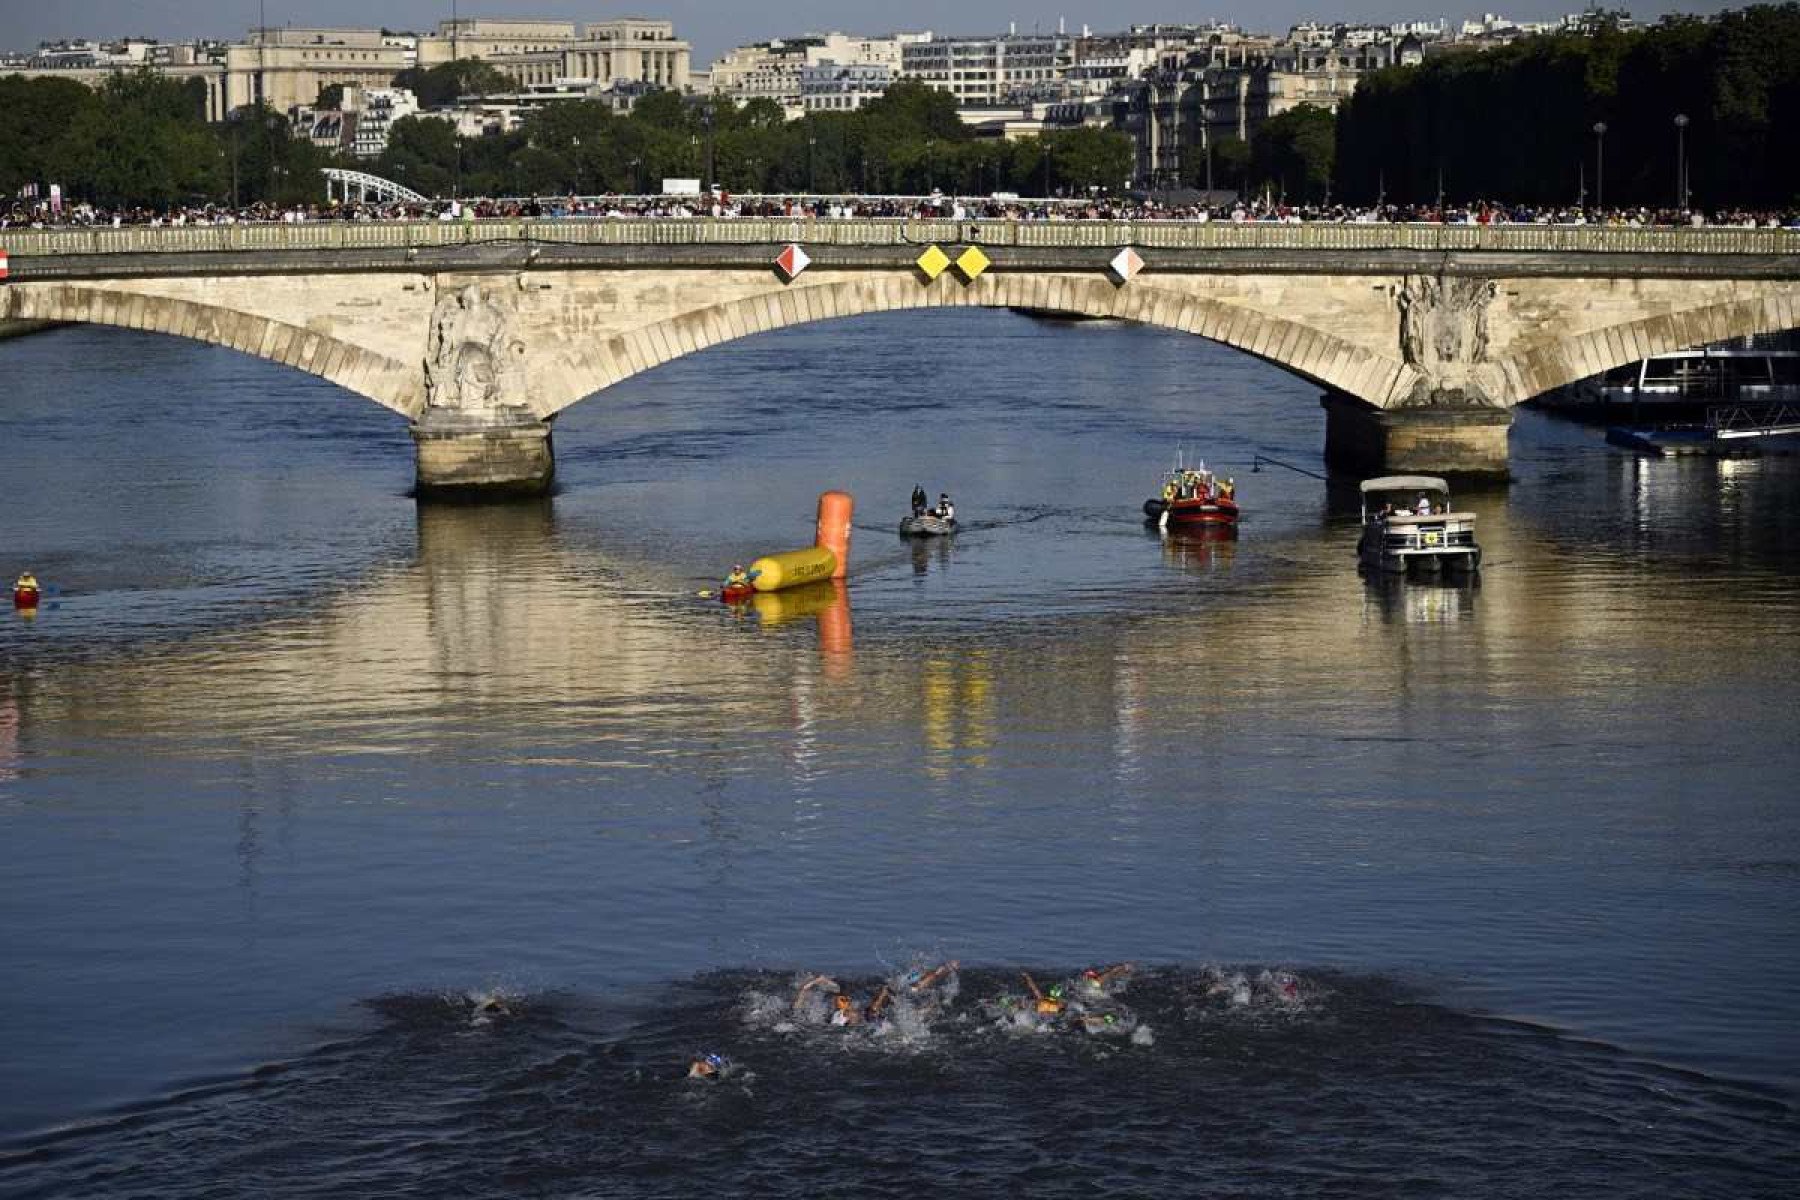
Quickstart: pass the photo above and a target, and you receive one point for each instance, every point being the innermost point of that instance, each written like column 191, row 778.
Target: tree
column 1083, row 158
column 662, row 109
column 142, row 143
column 447, row 82
column 35, row 117
column 258, row 150
column 421, row 154
column 1230, row 166
column 913, row 110
column 1293, row 153
column 331, row 96
column 1517, row 122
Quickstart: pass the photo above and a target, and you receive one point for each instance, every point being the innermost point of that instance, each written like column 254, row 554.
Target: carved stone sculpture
column 474, row 363
column 1444, row 334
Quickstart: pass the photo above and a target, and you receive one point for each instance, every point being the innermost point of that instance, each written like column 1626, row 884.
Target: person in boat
column 739, row 578
column 1169, row 492
column 918, row 500
column 1228, row 490
column 1423, row 507
column 26, row 583
column 945, row 510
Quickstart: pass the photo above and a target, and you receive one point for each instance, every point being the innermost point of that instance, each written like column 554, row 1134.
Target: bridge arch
column 1545, row 366
column 1302, row 349
column 392, row 384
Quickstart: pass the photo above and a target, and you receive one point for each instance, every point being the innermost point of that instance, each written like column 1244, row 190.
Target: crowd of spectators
column 726, row 205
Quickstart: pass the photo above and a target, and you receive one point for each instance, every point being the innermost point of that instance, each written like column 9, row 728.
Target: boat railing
column 1729, row 421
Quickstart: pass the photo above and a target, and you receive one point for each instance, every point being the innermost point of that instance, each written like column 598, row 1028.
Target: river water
column 1439, row 891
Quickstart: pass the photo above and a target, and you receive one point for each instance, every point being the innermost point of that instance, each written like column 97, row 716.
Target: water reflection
column 1201, row 551
column 1393, row 599
column 959, row 709
column 508, row 631
column 925, row 552
column 9, row 738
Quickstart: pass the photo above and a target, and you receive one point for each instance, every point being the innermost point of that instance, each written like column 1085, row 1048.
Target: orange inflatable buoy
column 835, row 510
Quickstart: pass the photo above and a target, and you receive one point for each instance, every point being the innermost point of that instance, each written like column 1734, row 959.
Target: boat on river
column 1409, row 527
column 1686, row 384
column 26, row 592
column 1193, row 497
column 927, row 524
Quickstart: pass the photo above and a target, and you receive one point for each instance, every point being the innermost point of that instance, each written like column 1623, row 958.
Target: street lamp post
column 1600, row 165
column 1681, row 187
column 706, row 122
column 812, row 170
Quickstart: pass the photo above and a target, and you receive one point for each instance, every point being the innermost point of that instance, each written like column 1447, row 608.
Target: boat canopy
column 1405, row 483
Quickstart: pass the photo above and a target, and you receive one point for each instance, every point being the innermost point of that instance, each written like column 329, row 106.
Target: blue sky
column 713, row 25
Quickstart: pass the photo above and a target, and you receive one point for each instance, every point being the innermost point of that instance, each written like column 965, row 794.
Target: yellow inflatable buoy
column 792, row 568
column 808, row 600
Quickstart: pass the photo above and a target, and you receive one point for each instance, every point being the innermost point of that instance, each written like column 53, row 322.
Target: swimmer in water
column 845, row 1011
column 709, row 1067
column 918, row 981
column 1045, row 1004
column 1115, row 1023
column 1094, row 984
column 485, row 1008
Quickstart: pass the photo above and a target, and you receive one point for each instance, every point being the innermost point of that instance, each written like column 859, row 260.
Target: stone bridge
column 1422, row 337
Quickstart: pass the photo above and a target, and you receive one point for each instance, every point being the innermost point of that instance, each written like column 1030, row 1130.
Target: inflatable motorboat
column 927, row 525
column 1193, row 497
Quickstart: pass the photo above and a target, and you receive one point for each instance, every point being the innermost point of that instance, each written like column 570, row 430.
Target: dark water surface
column 291, row 769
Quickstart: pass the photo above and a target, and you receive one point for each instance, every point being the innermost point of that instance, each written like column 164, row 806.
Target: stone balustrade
column 24, row 244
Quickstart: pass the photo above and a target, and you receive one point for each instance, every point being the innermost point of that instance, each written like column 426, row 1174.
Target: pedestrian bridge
column 1422, row 337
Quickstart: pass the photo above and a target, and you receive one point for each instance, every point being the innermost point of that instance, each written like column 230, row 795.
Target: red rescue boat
column 26, row 592
column 736, row 593
column 1194, row 496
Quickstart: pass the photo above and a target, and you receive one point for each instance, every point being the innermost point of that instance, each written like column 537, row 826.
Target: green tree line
column 908, row 141
column 141, row 139
column 1517, row 123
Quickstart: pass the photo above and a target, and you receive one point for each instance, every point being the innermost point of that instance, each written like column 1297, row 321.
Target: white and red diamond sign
column 791, row 261
column 2, row 264
column 1125, row 264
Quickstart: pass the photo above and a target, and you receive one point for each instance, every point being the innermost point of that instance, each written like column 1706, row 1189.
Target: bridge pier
column 1464, row 440
column 492, row 457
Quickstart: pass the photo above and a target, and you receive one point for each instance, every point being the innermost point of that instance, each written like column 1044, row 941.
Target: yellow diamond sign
column 933, row 262
column 972, row 262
